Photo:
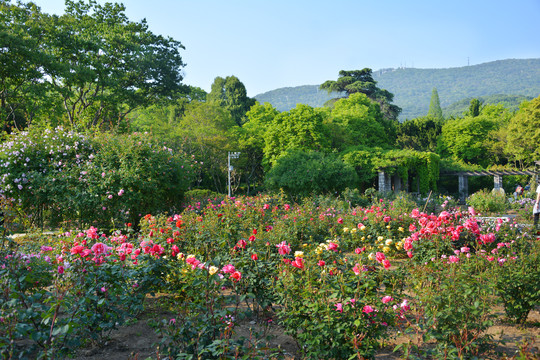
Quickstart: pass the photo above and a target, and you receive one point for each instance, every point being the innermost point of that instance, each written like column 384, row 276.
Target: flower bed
column 329, row 276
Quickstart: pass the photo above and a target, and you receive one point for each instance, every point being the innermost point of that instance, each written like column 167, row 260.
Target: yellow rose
column 371, row 256
column 401, row 229
column 388, row 226
column 345, row 230
column 212, row 270
column 299, row 254
column 388, row 242
column 386, row 249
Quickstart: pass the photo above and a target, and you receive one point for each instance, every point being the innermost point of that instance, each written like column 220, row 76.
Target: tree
column 163, row 118
column 251, row 139
column 305, row 172
column 435, row 110
column 231, row 94
column 23, row 92
column 357, row 121
column 301, row 128
column 475, row 107
column 206, row 130
column 419, row 134
column 91, row 63
column 468, row 138
column 523, row 134
column 362, row 81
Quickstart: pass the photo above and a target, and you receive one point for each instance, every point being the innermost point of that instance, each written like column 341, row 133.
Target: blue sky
column 272, row 44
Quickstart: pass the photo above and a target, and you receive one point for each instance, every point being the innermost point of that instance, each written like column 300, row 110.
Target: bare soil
column 138, row 341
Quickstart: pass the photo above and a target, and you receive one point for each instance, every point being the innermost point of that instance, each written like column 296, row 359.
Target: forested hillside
column 511, row 102
column 412, row 87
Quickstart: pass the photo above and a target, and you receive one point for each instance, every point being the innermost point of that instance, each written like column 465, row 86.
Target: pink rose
column 368, row 309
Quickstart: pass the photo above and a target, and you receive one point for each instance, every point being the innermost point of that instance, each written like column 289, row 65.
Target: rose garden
column 117, row 240
column 342, row 279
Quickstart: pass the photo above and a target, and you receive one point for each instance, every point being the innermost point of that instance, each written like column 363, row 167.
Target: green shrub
column 355, row 198
column 518, row 285
column 485, row 201
column 456, row 301
column 57, row 177
column 303, row 173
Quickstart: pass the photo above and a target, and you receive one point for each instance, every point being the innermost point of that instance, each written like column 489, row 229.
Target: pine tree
column 435, row 110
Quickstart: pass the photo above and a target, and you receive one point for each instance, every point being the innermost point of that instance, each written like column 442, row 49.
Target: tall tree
column 523, row 134
column 361, row 81
column 435, row 110
column 251, row 137
column 92, row 62
column 22, row 64
column 357, row 121
column 475, row 107
column 231, row 94
column 300, row 128
column 419, row 134
column 162, row 119
column 469, row 138
column 206, row 132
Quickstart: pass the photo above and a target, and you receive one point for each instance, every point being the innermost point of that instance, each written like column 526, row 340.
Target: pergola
column 497, row 178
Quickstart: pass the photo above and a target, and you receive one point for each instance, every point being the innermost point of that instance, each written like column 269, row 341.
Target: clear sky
column 272, row 44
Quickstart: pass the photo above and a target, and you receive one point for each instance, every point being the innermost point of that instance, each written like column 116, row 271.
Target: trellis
column 497, row 178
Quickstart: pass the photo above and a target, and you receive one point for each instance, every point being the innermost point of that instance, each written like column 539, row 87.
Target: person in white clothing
column 536, row 211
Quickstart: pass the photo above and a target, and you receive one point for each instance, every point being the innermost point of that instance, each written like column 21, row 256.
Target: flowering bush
column 75, row 290
column 321, row 269
column 488, row 202
column 336, row 306
column 517, row 282
column 106, row 180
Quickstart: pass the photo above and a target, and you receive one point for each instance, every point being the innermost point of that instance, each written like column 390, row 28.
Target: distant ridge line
column 412, row 87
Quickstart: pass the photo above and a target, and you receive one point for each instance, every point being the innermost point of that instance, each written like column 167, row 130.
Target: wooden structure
column 497, row 179
column 393, row 183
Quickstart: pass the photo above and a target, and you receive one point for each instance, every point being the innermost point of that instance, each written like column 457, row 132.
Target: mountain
column 511, row 102
column 412, row 87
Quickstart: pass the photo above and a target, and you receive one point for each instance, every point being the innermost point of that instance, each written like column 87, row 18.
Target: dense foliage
column 67, row 178
column 301, row 173
column 88, row 67
column 412, row 88
column 320, row 270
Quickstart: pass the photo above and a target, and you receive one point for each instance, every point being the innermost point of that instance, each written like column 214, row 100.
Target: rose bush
column 352, row 275
column 59, row 177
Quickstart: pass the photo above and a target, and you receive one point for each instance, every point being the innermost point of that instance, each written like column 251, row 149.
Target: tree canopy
column 361, row 81
column 300, row 128
column 419, row 134
column 357, row 121
column 232, row 95
column 465, row 138
column 92, row 63
column 524, row 134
